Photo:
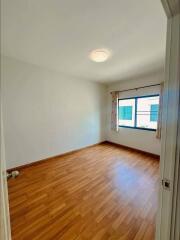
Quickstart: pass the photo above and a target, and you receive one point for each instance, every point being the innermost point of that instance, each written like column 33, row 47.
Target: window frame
column 135, row 121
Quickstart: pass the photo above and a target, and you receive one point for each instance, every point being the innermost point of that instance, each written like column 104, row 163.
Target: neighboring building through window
column 154, row 113
column 126, row 112
column 139, row 112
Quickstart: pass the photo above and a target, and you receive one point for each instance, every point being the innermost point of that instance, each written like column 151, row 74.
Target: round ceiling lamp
column 100, row 55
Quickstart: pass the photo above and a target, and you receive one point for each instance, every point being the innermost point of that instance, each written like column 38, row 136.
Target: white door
column 167, row 228
column 5, row 231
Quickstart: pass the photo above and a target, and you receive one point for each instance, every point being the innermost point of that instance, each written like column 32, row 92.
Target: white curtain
column 159, row 125
column 114, row 112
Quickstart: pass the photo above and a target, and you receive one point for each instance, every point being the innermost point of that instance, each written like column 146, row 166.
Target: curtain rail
column 131, row 89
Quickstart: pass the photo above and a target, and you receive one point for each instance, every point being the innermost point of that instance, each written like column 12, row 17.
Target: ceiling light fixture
column 100, row 55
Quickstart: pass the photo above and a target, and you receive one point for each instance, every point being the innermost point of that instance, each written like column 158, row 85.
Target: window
column 139, row 112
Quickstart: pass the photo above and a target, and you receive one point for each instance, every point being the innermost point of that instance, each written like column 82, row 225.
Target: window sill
column 146, row 129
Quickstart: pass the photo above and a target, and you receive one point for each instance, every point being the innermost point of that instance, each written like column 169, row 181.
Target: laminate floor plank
column 98, row 193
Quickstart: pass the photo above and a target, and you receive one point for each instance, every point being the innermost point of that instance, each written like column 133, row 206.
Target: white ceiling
column 59, row 34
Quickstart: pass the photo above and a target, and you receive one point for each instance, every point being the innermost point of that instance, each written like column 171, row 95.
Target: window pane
column 127, row 112
column 147, row 112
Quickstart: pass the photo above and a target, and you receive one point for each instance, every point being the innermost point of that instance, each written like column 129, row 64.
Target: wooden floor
column 102, row 192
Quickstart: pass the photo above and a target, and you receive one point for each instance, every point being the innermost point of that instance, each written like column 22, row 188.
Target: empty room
column 88, row 148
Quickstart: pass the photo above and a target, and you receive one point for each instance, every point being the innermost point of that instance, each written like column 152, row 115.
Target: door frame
column 5, row 228
column 168, row 208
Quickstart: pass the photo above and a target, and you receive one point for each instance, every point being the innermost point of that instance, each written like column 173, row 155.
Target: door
column 167, row 221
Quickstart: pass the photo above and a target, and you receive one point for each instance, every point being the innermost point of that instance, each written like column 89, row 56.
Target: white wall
column 47, row 113
column 135, row 138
